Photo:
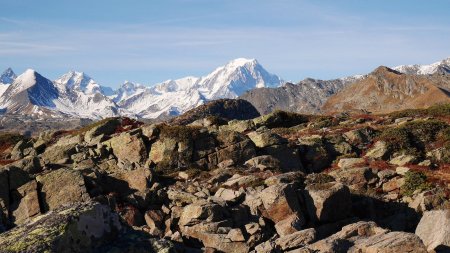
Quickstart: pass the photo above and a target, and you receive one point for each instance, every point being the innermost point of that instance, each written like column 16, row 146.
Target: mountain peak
column 78, row 81
column 384, row 70
column 8, row 76
column 128, row 85
column 27, row 78
column 239, row 62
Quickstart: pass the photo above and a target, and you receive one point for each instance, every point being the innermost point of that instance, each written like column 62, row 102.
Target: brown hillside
column 386, row 90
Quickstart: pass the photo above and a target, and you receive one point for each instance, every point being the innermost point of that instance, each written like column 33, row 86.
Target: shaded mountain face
column 307, row 96
column 385, row 90
column 222, row 109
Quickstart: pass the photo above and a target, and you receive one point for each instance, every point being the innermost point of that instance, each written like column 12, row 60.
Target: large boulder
column 290, row 224
column 25, row 203
column 328, row 202
column 16, row 176
column 231, row 146
column 101, row 128
column 129, row 148
column 137, row 180
column 266, row 139
column 390, row 243
column 264, row 162
column 174, row 148
column 220, row 242
column 280, row 201
column 277, row 147
column 367, row 237
column 58, row 154
column 297, row 239
column 434, row 229
column 29, row 164
column 357, row 179
column 359, row 136
column 161, row 149
column 61, row 187
column 199, row 211
column 21, row 149
column 240, row 126
column 80, row 227
column 315, row 153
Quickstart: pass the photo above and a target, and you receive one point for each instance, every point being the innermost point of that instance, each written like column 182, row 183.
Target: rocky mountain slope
column 281, row 182
column 386, row 90
column 307, row 96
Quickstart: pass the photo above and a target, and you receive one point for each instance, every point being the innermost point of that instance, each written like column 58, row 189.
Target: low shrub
column 438, row 110
column 414, row 181
column 282, row 119
column 413, row 137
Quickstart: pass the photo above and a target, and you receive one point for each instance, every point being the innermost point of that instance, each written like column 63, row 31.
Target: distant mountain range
column 77, row 95
column 412, row 86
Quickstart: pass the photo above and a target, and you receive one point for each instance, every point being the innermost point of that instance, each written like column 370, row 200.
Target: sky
column 151, row 41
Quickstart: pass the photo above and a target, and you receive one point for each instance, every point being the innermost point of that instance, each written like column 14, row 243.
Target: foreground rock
column 328, row 202
column 367, row 237
column 278, row 183
column 75, row 228
column 434, row 229
column 62, row 187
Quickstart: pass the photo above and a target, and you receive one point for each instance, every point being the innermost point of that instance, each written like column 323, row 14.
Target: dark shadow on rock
column 442, row 249
column 392, row 215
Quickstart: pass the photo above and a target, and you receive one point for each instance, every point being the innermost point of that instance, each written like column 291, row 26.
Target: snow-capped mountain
column 127, row 90
column 79, row 81
column 235, row 78
column 437, row 67
column 31, row 94
column 7, row 78
column 81, row 96
column 174, row 97
column 75, row 94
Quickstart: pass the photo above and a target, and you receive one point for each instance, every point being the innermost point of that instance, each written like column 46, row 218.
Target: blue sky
column 151, row 41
